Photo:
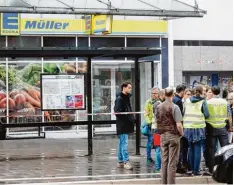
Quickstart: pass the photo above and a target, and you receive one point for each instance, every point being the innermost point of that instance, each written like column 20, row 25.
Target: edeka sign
column 51, row 26
column 10, row 24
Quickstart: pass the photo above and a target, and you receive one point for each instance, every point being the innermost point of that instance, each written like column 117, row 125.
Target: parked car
column 223, row 169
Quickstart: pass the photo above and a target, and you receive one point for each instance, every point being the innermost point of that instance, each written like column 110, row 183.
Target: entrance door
column 147, row 81
column 107, row 79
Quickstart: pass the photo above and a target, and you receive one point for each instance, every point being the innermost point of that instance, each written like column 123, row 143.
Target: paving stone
column 65, row 158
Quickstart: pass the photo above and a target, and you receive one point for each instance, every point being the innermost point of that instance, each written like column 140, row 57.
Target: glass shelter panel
column 24, row 92
column 107, row 79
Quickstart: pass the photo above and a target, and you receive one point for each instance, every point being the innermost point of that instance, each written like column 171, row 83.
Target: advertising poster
column 227, row 83
column 63, row 91
column 24, row 93
column 198, row 80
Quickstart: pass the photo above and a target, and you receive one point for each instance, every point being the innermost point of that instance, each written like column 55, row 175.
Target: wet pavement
column 51, row 160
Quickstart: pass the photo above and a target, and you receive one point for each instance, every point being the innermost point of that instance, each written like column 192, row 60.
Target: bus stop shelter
column 131, row 53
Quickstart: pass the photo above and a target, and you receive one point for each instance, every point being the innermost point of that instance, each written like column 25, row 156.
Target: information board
column 63, row 92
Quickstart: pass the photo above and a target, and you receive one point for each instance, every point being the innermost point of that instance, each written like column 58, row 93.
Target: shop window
column 107, row 42
column 59, row 41
column 202, row 43
column 106, row 81
column 83, row 42
column 25, row 41
column 2, row 41
column 145, row 42
column 99, row 42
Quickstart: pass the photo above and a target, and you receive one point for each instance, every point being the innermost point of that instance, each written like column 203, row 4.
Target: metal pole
column 137, row 107
column 89, row 98
column 152, row 73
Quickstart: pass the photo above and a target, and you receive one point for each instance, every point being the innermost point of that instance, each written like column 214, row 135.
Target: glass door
column 147, row 81
column 107, row 79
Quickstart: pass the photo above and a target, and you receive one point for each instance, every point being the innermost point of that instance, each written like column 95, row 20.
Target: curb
column 179, row 180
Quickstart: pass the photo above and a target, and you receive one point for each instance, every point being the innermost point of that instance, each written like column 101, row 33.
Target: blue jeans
column 194, row 156
column 158, row 158
column 149, row 145
column 123, row 155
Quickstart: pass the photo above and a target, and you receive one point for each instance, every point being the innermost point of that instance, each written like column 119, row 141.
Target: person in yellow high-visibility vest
column 216, row 125
column 149, row 119
column 195, row 112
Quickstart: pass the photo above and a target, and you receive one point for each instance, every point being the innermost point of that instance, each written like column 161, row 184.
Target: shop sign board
column 102, row 24
column 51, row 26
column 88, row 24
column 14, row 24
column 63, row 92
column 10, row 24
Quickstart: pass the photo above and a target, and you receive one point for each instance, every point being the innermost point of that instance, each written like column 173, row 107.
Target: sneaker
column 180, row 171
column 189, row 173
column 207, row 173
column 128, row 166
column 197, row 174
column 150, row 161
column 120, row 165
column 156, row 171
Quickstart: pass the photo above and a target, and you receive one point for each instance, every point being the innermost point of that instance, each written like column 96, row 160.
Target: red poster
column 79, row 101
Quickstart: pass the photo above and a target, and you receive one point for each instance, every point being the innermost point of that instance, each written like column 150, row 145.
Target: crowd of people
column 180, row 125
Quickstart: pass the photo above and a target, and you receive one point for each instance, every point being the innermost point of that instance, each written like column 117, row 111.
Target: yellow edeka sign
column 10, row 24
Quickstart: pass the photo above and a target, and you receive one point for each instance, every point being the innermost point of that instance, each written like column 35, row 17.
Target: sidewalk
column 56, row 160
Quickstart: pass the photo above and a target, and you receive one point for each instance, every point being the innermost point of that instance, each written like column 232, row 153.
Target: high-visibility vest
column 218, row 111
column 193, row 116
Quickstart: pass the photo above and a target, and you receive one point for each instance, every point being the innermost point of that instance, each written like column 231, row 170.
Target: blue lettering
column 10, row 21
column 100, row 22
column 30, row 25
column 52, row 25
column 65, row 25
column 58, row 25
column 45, row 25
column 41, row 25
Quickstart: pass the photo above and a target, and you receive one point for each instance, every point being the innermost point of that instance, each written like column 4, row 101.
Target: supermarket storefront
column 20, row 75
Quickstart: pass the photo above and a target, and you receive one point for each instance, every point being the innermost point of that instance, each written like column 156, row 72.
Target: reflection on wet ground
column 60, row 160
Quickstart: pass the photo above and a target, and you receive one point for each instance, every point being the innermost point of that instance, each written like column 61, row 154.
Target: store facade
column 23, row 74
column 203, row 62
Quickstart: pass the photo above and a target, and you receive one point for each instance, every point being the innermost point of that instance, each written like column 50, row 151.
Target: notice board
column 63, row 92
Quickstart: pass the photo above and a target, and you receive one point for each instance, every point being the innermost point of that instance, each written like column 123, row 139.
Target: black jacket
column 124, row 123
column 178, row 101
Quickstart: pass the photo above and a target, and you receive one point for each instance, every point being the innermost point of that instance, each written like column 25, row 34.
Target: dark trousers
column 183, row 160
column 195, row 156
column 212, row 135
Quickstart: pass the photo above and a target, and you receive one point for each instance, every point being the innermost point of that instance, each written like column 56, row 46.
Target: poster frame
column 85, row 93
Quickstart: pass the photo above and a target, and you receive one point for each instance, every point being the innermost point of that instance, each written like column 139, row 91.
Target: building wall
column 201, row 58
column 217, row 25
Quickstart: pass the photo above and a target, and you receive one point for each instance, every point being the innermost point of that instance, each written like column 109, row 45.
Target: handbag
column 145, row 128
column 156, row 139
